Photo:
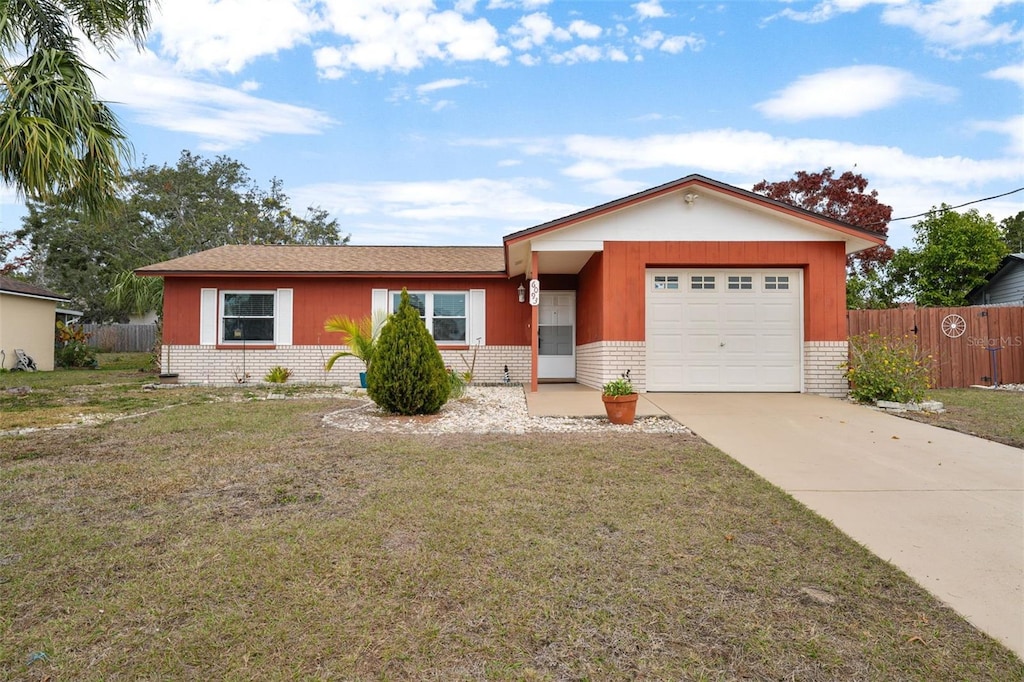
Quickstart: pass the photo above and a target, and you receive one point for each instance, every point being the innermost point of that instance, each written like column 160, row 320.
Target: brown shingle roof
column 342, row 260
column 16, row 286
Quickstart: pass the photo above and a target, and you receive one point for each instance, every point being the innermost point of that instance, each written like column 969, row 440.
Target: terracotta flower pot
column 621, row 409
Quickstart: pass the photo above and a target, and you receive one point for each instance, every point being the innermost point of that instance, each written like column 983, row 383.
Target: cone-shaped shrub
column 407, row 375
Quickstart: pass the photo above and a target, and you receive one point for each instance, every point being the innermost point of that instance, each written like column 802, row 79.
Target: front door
column 556, row 333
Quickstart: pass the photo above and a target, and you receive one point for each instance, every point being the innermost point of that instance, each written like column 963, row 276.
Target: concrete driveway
column 946, row 508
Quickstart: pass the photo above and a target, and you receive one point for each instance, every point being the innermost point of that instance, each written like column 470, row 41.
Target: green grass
column 993, row 415
column 247, row 541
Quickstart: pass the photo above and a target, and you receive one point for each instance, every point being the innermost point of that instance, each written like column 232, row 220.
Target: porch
column 577, row 400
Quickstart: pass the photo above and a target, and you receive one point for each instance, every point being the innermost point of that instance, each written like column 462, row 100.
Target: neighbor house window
column 443, row 312
column 247, row 317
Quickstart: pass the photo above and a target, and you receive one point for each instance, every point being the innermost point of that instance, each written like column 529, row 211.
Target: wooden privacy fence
column 958, row 339
column 122, row 338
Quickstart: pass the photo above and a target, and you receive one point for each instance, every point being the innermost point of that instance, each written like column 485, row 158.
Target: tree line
column 162, row 212
column 952, row 252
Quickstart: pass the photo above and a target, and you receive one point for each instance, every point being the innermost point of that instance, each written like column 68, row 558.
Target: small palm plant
column 359, row 335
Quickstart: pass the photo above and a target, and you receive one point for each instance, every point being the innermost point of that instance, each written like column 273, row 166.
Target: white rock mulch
column 486, row 409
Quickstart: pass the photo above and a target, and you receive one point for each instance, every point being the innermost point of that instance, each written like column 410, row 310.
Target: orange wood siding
column 317, row 298
column 590, row 302
column 624, row 295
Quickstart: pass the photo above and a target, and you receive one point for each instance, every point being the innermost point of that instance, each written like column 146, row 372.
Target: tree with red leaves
column 843, row 198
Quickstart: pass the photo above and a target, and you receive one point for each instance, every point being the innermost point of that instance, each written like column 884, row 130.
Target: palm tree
column 137, row 295
column 359, row 335
column 57, row 140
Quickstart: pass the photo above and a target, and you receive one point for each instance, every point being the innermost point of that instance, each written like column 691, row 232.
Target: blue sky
column 456, row 122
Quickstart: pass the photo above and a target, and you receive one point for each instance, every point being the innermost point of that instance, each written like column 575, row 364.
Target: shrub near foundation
column 408, row 375
column 886, row 368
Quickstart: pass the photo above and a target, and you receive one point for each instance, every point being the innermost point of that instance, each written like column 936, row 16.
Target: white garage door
column 724, row 330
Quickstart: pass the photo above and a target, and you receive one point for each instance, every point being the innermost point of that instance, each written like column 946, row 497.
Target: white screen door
column 556, row 332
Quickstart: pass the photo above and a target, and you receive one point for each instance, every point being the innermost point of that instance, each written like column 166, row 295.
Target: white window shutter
column 283, row 318
column 207, row 317
column 378, row 301
column 476, row 325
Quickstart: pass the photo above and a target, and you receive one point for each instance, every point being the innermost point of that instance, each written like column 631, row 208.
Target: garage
column 724, row 330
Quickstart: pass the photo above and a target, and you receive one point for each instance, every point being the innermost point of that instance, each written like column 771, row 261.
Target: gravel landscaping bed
column 484, row 409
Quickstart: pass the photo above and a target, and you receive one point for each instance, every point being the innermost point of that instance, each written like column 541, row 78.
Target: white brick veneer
column 823, row 374
column 599, row 362
column 205, row 364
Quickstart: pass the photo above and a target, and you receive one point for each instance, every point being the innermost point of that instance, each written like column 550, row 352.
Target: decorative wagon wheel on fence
column 954, row 326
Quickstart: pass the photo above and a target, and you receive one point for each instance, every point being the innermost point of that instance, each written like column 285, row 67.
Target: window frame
column 221, row 306
column 428, row 311
column 786, row 282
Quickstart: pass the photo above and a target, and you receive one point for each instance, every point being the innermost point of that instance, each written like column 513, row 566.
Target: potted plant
column 619, row 400
column 360, row 336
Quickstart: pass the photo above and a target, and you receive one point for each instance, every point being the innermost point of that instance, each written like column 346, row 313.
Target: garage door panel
column 740, row 313
column 725, row 339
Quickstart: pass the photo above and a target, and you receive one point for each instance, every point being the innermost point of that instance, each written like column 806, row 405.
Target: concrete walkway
column 946, row 508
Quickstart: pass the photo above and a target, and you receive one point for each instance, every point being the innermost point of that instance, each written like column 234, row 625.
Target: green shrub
column 71, row 347
column 457, row 382
column 408, row 375
column 278, row 375
column 887, row 368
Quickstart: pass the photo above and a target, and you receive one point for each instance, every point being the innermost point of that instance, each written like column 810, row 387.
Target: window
column 247, row 316
column 702, row 282
column 666, row 281
column 741, row 282
column 776, row 282
column 443, row 312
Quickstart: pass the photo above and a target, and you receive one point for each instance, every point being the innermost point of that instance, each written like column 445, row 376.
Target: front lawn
column 245, row 540
column 993, row 415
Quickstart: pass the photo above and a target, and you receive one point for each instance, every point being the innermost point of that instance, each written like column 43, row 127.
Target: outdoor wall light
column 521, row 290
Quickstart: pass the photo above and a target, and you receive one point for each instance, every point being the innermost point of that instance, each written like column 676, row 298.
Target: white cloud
column 220, row 117
column 954, row 24
column 755, row 154
column 649, row 40
column 824, row 11
column 443, row 84
column 518, row 4
column 677, row 44
column 1013, row 128
column 401, row 35
column 1011, row 72
column 617, row 55
column 650, row 9
column 580, row 53
column 509, row 202
column 225, row 35
column 509, row 163
column 585, row 29
column 948, row 25
column 249, row 86
column 847, row 92
column 534, row 30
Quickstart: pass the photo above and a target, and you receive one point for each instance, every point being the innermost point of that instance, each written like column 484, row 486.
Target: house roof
column 336, row 260
column 695, row 179
column 19, row 288
column 519, row 245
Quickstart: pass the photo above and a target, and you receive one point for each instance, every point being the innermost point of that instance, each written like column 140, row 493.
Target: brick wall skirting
column 599, row 362
column 208, row 365
column 823, row 373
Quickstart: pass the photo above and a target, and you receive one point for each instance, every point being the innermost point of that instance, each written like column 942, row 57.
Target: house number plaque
column 534, row 292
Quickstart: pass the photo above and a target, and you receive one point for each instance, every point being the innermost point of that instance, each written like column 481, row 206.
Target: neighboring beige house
column 27, row 317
